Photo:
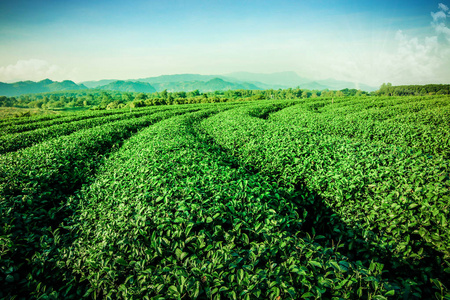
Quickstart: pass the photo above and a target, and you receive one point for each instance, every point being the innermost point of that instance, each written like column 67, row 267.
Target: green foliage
column 110, row 98
column 36, row 186
column 21, row 136
column 324, row 198
column 408, row 90
column 23, row 114
column 388, row 187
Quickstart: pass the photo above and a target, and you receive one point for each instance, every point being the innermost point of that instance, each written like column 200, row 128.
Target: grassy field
column 289, row 199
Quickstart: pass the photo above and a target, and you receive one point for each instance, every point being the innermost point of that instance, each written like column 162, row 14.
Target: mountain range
column 43, row 86
column 185, row 82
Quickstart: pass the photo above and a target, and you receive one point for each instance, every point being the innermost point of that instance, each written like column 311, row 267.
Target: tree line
column 387, row 89
column 100, row 99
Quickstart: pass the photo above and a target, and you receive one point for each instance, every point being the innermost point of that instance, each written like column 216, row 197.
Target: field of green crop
column 289, row 199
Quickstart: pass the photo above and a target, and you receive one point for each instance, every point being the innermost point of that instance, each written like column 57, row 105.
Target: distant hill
column 218, row 84
column 98, row 83
column 261, row 81
column 292, row 80
column 333, row 84
column 175, row 83
column 186, row 82
column 178, row 78
column 129, row 86
column 215, row 84
column 314, row 85
column 31, row 87
column 285, row 79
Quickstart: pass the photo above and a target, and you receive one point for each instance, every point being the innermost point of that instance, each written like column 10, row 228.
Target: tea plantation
column 339, row 198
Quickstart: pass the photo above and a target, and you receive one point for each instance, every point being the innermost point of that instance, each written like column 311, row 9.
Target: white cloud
column 439, row 21
column 443, row 7
column 418, row 60
column 438, row 16
column 424, row 60
column 32, row 69
column 441, row 28
column 409, row 60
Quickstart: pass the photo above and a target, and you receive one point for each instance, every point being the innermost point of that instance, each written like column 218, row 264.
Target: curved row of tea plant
column 16, row 128
column 422, row 124
column 396, row 199
column 171, row 216
column 34, row 118
column 382, row 108
column 35, row 188
column 16, row 141
column 275, row 199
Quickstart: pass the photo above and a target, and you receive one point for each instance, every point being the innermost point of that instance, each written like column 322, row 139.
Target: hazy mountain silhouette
column 186, row 82
column 43, row 86
column 129, row 86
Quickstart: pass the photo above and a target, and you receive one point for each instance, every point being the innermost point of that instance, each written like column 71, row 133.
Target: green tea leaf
column 121, row 261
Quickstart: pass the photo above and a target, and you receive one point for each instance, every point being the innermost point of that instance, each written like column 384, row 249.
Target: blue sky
column 403, row 42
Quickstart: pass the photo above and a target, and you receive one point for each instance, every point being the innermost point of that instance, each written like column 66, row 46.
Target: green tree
column 194, row 93
column 79, row 102
column 113, row 105
column 127, row 97
column 339, row 94
column 137, row 103
column 306, row 94
column 140, row 97
column 163, row 94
